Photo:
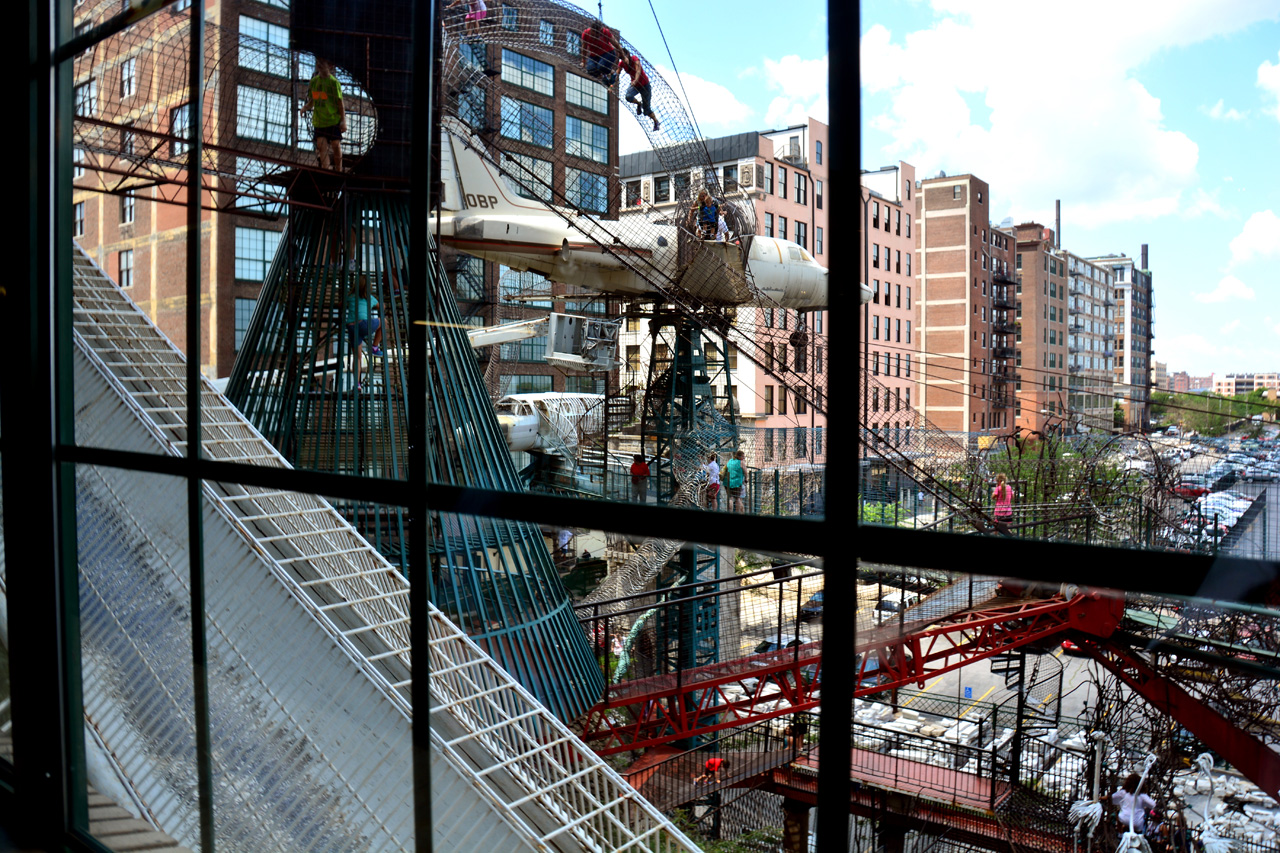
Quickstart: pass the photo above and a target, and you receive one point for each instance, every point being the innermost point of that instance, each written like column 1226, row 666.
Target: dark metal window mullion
column 195, row 501
column 425, row 99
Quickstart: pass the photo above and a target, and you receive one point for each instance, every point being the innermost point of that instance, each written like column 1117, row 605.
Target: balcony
column 1073, row 311
column 1002, row 352
column 1074, row 349
column 1076, row 326
column 1001, row 401
column 1004, row 276
column 1000, row 377
column 1074, row 368
column 1003, row 327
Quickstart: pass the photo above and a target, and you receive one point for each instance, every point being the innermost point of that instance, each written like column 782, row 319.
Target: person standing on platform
column 735, row 478
column 328, row 117
column 713, row 481
column 706, row 213
column 639, row 479
column 1002, row 495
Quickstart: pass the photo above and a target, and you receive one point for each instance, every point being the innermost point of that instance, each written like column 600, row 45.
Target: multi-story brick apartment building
column 561, row 126
column 890, row 325
column 1245, row 383
column 1090, row 344
column 1131, row 287
column 136, row 237
column 1042, row 338
column 1160, row 380
column 1183, row 382
column 121, row 219
column 783, row 173
column 963, row 271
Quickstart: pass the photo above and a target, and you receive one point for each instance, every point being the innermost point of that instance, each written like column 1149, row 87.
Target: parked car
column 781, row 641
column 1190, row 490
column 812, row 609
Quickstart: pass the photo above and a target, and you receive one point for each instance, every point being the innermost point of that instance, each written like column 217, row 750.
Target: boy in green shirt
column 328, row 118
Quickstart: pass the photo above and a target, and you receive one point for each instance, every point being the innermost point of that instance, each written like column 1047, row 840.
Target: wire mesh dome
column 132, row 105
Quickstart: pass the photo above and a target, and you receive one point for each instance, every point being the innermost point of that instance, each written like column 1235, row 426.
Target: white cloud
column 1220, row 113
column 1260, row 237
column 717, row 111
column 1228, row 288
column 1231, row 326
column 803, row 87
column 1093, row 136
column 1269, row 83
column 1204, row 203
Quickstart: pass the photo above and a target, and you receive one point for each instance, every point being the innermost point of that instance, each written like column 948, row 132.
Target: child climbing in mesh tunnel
column 476, row 12
column 360, row 324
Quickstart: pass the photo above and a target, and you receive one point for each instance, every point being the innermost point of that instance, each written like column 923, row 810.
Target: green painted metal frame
column 297, row 381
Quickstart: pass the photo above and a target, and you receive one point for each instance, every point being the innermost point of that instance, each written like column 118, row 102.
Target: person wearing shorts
column 328, row 117
column 713, row 481
column 476, row 12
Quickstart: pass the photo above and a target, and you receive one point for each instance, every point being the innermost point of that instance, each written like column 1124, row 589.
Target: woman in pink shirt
column 1002, row 495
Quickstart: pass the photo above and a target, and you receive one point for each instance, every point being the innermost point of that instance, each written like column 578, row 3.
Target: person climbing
column 598, row 54
column 640, row 85
column 707, row 215
column 328, row 117
column 710, row 771
column 640, row 479
column 1002, row 495
column 722, row 230
column 360, row 324
column 735, row 476
column 476, row 12
column 713, row 481
column 563, row 540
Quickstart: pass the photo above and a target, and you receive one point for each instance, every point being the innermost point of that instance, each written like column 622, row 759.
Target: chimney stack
column 1057, row 223
column 1144, row 257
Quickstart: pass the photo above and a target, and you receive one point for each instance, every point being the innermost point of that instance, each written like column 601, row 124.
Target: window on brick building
column 77, row 221
column 125, row 259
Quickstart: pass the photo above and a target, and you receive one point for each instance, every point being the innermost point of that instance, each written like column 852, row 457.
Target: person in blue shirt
column 707, row 212
column 360, row 324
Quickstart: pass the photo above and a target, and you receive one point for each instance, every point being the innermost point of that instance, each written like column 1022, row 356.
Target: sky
column 1154, row 121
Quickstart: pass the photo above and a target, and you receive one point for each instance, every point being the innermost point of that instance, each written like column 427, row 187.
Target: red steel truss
column 661, row 709
column 1252, row 756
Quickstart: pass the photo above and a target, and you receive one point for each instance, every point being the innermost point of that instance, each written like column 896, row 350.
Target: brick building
column 1132, row 291
column 963, row 268
column 1183, row 382
column 123, row 221
column 783, row 173
column 1245, row 383
column 886, row 256
column 1091, row 313
column 562, row 127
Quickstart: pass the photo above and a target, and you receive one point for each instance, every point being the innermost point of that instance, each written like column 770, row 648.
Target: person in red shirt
column 639, row 479
column 639, row 84
column 710, row 771
column 598, row 53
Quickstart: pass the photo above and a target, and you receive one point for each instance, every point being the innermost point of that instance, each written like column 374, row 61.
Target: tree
column 1117, row 416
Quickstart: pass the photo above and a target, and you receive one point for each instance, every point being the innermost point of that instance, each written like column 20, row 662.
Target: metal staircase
column 310, row 662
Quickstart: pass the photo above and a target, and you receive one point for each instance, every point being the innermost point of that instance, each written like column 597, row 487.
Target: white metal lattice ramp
column 506, row 773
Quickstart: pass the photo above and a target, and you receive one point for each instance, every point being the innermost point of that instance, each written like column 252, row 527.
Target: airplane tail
column 474, row 185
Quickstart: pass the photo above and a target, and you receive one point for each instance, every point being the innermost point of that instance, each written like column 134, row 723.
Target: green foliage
column 1117, row 415
column 766, row 838
column 1207, row 414
column 877, row 512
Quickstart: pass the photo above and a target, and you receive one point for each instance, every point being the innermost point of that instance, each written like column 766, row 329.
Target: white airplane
column 484, row 217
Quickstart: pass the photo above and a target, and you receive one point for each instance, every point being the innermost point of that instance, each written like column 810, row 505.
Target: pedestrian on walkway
column 1002, row 495
column 710, row 771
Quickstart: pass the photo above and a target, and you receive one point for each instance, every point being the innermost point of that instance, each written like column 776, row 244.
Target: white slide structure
column 308, row 646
